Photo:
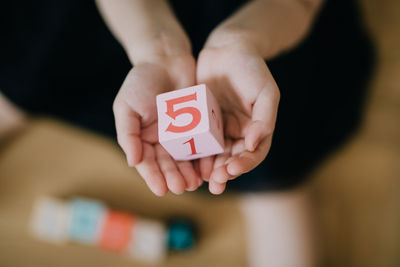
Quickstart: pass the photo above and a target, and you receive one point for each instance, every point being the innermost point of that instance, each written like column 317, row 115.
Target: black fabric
column 323, row 85
column 58, row 58
column 61, row 60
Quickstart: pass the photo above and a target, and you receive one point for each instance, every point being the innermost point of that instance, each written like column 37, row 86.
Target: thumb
column 127, row 125
column 264, row 115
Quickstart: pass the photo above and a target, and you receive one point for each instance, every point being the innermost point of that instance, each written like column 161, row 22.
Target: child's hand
column 136, row 123
column 249, row 97
column 232, row 65
column 160, row 50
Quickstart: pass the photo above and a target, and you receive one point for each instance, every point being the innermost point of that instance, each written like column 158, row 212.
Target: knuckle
column 120, row 141
column 276, row 93
column 116, row 107
column 269, row 129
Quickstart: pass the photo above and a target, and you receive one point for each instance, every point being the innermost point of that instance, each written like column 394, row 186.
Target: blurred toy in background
column 180, row 235
column 91, row 222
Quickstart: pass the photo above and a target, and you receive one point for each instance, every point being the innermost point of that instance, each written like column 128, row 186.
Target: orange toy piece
column 117, row 231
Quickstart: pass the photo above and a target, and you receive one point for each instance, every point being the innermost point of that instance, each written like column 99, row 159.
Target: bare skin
column 154, row 39
column 11, row 118
column 232, row 64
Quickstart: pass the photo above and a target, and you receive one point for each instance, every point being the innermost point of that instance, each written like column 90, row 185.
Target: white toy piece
column 90, row 222
column 49, row 220
column 190, row 123
column 148, row 241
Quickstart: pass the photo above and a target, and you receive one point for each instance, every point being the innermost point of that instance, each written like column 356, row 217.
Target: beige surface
column 358, row 190
column 50, row 158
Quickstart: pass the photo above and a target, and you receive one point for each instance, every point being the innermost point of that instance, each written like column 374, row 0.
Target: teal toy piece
column 180, row 236
column 85, row 221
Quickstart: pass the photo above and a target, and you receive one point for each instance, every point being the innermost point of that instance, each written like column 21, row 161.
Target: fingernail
column 129, row 161
column 158, row 193
column 255, row 144
column 178, row 192
column 192, row 188
column 229, row 160
column 251, row 147
column 200, row 182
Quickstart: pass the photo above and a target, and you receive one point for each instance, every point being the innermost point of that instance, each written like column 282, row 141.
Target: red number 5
column 196, row 115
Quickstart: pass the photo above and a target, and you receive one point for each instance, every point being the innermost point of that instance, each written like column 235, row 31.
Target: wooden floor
column 358, row 189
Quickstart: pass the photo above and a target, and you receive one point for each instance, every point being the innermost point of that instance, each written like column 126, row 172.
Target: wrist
column 234, row 38
column 167, row 53
column 268, row 27
column 147, row 29
column 158, row 48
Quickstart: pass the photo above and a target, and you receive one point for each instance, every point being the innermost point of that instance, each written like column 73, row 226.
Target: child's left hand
column 249, row 97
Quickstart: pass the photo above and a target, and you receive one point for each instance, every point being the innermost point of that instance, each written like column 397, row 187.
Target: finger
column 238, row 147
column 264, row 115
column 149, row 134
column 216, row 188
column 189, row 174
column 201, row 181
column 150, row 171
column 175, row 181
column 127, row 123
column 247, row 160
column 206, row 167
column 220, row 173
column 232, row 126
column 196, row 166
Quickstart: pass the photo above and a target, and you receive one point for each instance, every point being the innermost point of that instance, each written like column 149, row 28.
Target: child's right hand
column 136, row 123
column 161, row 52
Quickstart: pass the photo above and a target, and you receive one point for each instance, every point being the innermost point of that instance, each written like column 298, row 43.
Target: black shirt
column 58, row 58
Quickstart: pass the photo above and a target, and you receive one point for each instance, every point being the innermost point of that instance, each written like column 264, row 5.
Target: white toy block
column 148, row 242
column 49, row 220
column 190, row 123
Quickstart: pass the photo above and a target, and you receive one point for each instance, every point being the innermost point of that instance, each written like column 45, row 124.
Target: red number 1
column 192, row 146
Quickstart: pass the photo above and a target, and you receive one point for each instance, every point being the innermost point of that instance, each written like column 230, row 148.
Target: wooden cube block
column 117, row 231
column 86, row 220
column 148, row 242
column 49, row 220
column 190, row 123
